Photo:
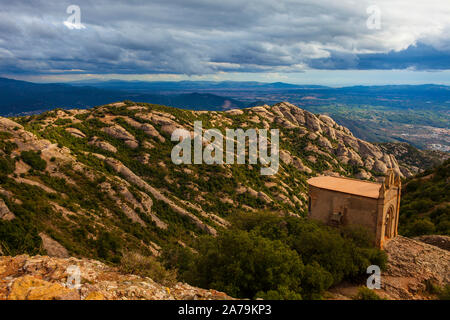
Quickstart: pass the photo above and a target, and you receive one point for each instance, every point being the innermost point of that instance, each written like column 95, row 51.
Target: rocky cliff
column 44, row 278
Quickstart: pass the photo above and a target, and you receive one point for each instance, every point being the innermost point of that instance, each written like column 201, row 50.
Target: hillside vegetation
column 267, row 256
column 100, row 184
column 425, row 204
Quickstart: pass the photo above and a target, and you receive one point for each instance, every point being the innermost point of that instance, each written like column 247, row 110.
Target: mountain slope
column 99, row 183
column 425, row 205
column 101, row 179
column 412, row 160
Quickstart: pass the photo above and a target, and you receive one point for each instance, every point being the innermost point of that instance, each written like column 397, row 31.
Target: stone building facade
column 339, row 201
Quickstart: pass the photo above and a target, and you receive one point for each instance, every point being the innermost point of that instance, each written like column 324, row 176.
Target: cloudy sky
column 310, row 41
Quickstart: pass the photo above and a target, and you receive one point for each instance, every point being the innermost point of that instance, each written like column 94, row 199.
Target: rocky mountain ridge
column 412, row 160
column 102, row 179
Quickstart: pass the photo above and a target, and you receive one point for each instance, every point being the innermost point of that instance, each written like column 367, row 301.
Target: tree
column 243, row 264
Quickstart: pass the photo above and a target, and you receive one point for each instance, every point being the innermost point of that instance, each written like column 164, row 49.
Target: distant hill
column 416, row 114
column 190, row 85
column 21, row 97
column 429, row 96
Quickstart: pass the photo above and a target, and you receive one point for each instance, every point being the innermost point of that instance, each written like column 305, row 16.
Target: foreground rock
column 5, row 214
column 412, row 266
column 44, row 278
column 442, row 242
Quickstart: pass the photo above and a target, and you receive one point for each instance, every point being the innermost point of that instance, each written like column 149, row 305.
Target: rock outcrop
column 347, row 148
column 5, row 213
column 411, row 264
column 52, row 247
column 45, row 278
column 97, row 142
column 131, row 177
column 439, row 241
column 118, row 132
column 76, row 133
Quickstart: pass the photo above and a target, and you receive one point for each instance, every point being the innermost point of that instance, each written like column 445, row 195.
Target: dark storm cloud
column 203, row 37
column 417, row 57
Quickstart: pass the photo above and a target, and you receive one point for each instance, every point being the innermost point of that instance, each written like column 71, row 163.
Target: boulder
column 297, row 162
column 118, row 132
column 285, row 156
column 234, row 112
column 95, row 141
column 5, row 213
column 52, row 247
column 363, row 175
column 32, row 288
column 76, row 133
column 380, row 166
column 367, row 149
column 327, row 120
column 312, row 122
column 324, row 142
column 147, row 128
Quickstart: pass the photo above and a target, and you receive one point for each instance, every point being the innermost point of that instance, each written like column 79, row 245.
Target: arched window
column 309, row 205
column 389, row 223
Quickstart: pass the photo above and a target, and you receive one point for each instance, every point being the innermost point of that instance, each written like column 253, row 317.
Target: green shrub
column 365, row 293
column 178, row 257
column 147, row 266
column 423, row 208
column 444, row 293
column 62, row 121
column 243, row 264
column 33, row 159
column 108, row 247
column 282, row 293
column 6, row 166
column 7, row 146
column 262, row 253
column 421, row 227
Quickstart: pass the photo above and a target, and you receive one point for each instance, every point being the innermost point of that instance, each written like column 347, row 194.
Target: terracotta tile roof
column 347, row 185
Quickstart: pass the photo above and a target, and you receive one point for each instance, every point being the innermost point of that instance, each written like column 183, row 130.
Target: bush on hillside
column 267, row 256
column 243, row 264
column 33, row 159
column 147, row 266
column 365, row 293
